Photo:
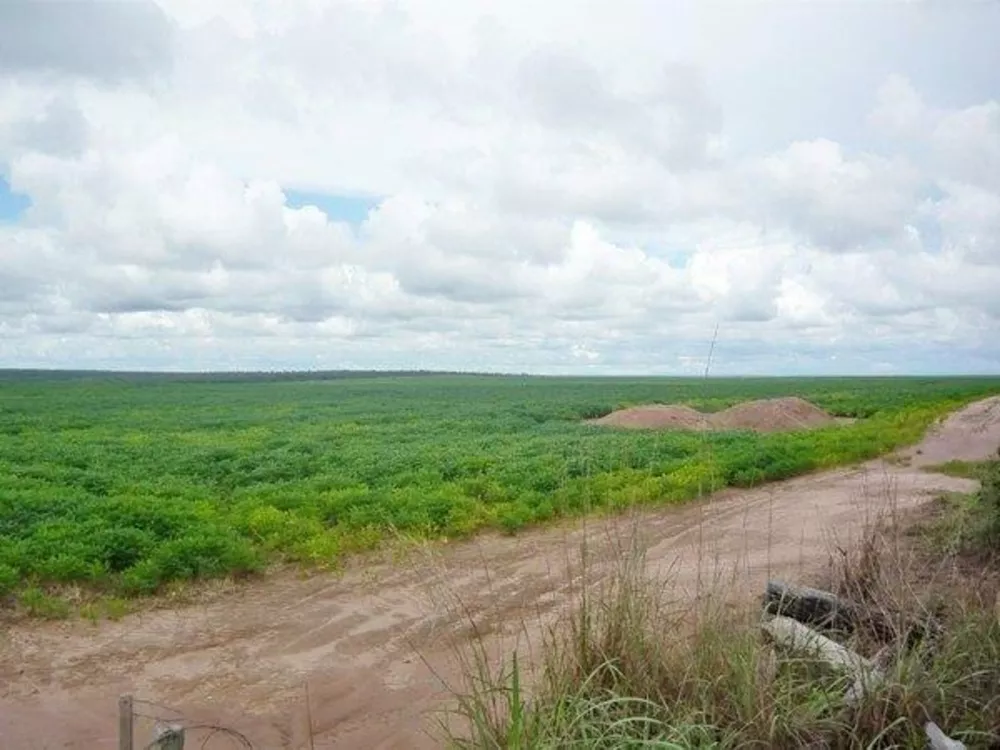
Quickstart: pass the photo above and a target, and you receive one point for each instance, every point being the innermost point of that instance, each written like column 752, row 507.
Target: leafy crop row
column 127, row 485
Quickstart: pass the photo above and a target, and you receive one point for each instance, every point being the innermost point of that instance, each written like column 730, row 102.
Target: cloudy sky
column 585, row 186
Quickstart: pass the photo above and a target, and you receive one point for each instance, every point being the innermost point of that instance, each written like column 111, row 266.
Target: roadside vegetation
column 968, row 525
column 627, row 669
column 118, row 487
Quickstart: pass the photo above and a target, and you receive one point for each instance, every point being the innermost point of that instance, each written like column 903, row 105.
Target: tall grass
column 627, row 668
column 970, row 524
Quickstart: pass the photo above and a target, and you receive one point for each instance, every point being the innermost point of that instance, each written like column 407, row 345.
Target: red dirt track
column 373, row 642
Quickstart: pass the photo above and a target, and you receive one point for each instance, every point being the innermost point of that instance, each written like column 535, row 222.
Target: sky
column 558, row 187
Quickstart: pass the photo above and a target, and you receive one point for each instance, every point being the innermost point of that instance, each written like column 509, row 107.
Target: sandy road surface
column 372, row 643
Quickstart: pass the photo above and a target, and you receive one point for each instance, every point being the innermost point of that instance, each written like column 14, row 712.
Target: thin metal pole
column 711, row 351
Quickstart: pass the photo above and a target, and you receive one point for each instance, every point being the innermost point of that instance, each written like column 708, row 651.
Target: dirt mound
column 766, row 415
column 771, row 415
column 655, row 416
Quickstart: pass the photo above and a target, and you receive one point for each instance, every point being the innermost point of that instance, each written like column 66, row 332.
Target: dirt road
column 373, row 642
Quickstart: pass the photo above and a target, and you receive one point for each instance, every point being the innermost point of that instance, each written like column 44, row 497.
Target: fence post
column 125, row 718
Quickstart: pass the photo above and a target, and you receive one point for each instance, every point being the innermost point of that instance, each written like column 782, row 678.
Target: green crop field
column 120, row 485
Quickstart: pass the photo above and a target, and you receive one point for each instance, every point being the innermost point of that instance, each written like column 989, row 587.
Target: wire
column 150, row 717
column 213, row 730
column 158, row 705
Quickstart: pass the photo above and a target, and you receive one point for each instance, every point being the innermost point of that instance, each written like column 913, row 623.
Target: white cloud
column 108, row 41
column 899, row 109
column 969, row 218
column 541, row 201
column 838, row 203
column 967, row 144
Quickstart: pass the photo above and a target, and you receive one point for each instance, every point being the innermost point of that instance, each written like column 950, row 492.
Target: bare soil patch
column 655, row 416
column 765, row 415
column 772, row 415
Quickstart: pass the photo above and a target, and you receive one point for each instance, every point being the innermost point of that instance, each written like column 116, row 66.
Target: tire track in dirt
column 373, row 642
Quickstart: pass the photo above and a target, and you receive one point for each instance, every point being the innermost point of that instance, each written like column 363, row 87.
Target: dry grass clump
column 627, row 669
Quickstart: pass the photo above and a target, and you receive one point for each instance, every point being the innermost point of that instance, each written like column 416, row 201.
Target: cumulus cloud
column 967, row 143
column 839, row 203
column 106, row 40
column 540, row 201
column 900, row 111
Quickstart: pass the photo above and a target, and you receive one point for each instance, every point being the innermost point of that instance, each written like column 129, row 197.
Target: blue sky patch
column 12, row 204
column 351, row 209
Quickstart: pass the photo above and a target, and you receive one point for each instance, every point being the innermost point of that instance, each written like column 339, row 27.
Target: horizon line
column 69, row 371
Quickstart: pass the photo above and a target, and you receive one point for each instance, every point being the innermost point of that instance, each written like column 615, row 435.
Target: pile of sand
column 771, row 415
column 655, row 416
column 767, row 415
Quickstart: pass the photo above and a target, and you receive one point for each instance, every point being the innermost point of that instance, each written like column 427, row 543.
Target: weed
column 989, row 503
column 964, row 469
column 969, row 524
column 628, row 670
column 38, row 603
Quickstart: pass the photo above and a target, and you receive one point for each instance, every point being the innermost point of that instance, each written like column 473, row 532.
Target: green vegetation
column 988, row 499
column 964, row 469
column 123, row 485
column 968, row 524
